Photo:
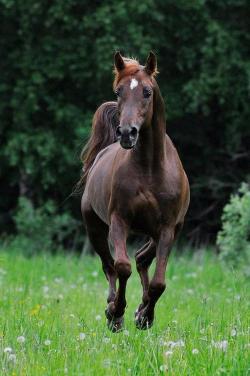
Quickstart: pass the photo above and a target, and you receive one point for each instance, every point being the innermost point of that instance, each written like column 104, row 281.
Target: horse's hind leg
column 118, row 236
column 98, row 234
column 157, row 285
column 144, row 257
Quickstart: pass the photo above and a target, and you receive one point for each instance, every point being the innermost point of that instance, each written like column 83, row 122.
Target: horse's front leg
column 157, row 285
column 118, row 236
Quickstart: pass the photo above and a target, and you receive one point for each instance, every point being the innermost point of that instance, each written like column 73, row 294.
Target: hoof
column 142, row 321
column 115, row 324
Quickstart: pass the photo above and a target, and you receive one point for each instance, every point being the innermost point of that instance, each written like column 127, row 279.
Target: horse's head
column 133, row 86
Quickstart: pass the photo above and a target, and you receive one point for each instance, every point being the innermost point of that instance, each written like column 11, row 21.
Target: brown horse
column 134, row 181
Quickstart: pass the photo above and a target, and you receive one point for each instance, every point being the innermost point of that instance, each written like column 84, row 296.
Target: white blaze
column 133, row 83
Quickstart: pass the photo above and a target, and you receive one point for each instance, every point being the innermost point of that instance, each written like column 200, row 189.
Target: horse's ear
column 119, row 62
column 151, row 64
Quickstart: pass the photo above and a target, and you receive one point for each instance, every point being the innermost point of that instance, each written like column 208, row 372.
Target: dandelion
column 98, row 317
column 195, row 351
column 20, row 339
column 82, row 336
column 233, row 332
column 47, row 342
column 12, row 358
column 222, row 345
column 45, row 289
column 58, row 280
column 179, row 343
column 7, row 350
column 168, row 353
column 106, row 340
column 163, row 368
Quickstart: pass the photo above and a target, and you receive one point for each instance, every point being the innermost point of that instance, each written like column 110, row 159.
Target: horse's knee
column 123, row 268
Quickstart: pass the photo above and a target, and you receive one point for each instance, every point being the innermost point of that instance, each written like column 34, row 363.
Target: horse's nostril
column 133, row 132
column 118, row 132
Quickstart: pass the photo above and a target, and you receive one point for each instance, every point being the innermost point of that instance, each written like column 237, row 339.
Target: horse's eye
column 146, row 92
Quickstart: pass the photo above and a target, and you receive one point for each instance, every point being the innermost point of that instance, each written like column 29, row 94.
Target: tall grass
column 52, row 320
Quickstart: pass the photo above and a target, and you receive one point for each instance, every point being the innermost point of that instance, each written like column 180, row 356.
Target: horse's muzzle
column 127, row 135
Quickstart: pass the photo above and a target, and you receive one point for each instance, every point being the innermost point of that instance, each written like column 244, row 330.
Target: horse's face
column 134, row 92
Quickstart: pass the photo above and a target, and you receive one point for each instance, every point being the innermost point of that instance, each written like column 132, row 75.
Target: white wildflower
column 47, row 342
column 58, row 280
column 45, row 289
column 195, row 351
column 179, row 343
column 95, row 274
column 82, row 336
column 98, row 317
column 7, row 350
column 233, row 332
column 106, row 340
column 20, row 339
column 222, row 345
column 163, row 368
column 168, row 353
column 12, row 358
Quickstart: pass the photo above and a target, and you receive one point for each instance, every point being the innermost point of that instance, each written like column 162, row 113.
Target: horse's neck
column 150, row 151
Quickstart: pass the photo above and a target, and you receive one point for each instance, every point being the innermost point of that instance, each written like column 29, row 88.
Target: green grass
column 51, row 300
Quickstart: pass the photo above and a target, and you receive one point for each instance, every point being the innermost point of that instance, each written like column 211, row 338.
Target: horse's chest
column 148, row 209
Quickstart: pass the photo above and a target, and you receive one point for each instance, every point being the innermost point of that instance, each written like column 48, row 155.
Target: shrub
column 234, row 238
column 42, row 228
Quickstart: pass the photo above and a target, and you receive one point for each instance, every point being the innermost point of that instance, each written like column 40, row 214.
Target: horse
column 134, row 182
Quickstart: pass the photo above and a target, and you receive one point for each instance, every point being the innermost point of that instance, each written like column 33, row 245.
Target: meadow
column 52, row 319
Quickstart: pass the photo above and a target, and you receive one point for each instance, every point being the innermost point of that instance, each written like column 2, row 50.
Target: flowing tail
column 103, row 133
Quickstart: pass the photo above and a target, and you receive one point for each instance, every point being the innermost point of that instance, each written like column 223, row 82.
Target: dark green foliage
column 41, row 229
column 234, row 238
column 56, row 68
